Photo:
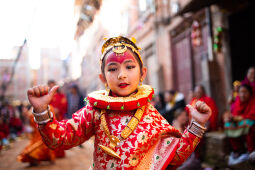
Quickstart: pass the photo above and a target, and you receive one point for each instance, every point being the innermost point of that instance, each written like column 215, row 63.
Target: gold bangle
column 196, row 129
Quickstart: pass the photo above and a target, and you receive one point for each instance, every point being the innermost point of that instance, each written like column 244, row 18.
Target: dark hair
column 178, row 112
column 161, row 98
column 51, row 81
column 136, row 57
column 252, row 67
column 202, row 87
column 172, row 92
column 248, row 87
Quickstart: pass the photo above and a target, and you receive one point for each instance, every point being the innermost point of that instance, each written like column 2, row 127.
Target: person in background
column 190, row 96
column 36, row 151
column 25, row 111
column 160, row 103
column 59, row 105
column 199, row 94
column 181, row 119
column 15, row 125
column 59, row 102
column 75, row 100
column 180, row 122
column 234, row 94
column 250, row 78
column 4, row 133
column 240, row 126
column 174, row 100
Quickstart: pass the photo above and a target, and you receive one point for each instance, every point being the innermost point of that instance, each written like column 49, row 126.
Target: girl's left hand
column 201, row 112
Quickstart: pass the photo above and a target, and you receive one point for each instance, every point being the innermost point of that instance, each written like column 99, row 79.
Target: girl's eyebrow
column 111, row 63
column 129, row 61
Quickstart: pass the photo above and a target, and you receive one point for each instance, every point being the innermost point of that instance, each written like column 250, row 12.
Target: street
column 76, row 158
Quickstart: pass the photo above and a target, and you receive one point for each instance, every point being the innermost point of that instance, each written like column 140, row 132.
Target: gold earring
column 141, row 82
column 107, row 89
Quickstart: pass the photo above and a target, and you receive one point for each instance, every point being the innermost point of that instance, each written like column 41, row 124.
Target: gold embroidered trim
column 142, row 92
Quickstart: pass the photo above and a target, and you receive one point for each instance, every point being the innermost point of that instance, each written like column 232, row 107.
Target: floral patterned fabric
column 153, row 144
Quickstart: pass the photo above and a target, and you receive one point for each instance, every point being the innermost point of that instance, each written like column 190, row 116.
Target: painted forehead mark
column 119, row 58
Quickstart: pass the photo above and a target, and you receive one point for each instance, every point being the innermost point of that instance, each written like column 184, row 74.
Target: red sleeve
column 69, row 133
column 185, row 147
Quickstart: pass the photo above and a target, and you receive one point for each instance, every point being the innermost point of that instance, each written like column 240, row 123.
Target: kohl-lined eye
column 112, row 69
column 131, row 67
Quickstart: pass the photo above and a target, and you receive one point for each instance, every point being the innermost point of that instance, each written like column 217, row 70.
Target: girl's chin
column 124, row 94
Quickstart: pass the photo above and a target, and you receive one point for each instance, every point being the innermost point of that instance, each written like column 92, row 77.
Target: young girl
column 129, row 131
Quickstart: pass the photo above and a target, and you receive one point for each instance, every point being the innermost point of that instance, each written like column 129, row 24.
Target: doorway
column 242, row 46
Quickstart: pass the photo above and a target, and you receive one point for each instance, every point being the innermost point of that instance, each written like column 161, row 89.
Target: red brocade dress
column 153, row 144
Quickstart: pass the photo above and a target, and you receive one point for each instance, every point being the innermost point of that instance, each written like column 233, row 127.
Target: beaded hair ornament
column 236, row 83
column 119, row 45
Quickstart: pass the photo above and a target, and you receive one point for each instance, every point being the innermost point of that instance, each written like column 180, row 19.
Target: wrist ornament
column 196, row 129
column 43, row 117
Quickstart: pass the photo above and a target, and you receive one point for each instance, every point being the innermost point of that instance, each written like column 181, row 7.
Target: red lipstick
column 123, row 85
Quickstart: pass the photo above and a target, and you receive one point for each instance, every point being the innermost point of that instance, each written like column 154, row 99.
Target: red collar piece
column 100, row 100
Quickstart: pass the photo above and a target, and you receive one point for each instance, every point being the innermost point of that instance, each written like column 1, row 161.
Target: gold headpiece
column 237, row 83
column 119, row 45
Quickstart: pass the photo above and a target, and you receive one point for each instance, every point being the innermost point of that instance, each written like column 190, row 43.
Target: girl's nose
column 122, row 74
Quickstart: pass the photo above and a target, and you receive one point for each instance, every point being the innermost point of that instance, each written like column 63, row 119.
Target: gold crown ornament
column 236, row 83
column 119, row 46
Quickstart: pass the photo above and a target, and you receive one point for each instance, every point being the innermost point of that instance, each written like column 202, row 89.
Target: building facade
column 22, row 75
column 165, row 32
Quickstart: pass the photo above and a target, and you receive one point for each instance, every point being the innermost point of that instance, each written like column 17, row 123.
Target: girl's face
column 199, row 92
column 122, row 73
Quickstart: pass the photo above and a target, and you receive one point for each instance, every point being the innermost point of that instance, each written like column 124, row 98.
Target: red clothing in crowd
column 246, row 110
column 36, row 150
column 4, row 130
column 59, row 103
column 16, row 123
column 252, row 84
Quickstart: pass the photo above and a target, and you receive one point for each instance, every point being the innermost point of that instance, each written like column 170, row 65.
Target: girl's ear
column 102, row 78
column 144, row 73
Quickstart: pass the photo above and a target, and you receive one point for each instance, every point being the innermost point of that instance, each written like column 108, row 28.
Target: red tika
column 154, row 144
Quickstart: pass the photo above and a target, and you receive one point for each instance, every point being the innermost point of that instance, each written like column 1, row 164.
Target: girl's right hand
column 40, row 97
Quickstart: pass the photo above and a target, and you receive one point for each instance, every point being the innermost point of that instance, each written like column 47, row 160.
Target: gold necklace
column 114, row 141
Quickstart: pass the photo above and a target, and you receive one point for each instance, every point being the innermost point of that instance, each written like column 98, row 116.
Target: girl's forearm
column 69, row 133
